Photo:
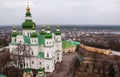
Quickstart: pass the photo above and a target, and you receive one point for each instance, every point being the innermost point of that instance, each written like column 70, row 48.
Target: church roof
column 42, row 33
column 26, row 39
column 27, row 70
column 28, row 14
column 14, row 34
column 41, row 39
column 28, row 24
column 57, row 33
column 48, row 35
column 76, row 43
column 40, row 55
column 34, row 35
column 69, row 44
column 1, row 75
column 40, row 70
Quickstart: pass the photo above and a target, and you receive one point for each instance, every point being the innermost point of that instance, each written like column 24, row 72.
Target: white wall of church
column 48, row 42
column 49, row 65
column 48, row 52
column 34, row 40
column 42, row 48
column 13, row 40
column 52, row 51
column 27, row 63
column 58, row 46
column 34, row 63
column 59, row 59
column 40, row 63
column 35, row 50
column 19, row 39
column 58, row 38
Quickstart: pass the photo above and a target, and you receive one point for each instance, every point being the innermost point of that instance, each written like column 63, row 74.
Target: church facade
column 33, row 49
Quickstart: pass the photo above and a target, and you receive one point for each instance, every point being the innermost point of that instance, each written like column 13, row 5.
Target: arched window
column 35, row 41
column 26, row 64
column 15, row 40
column 40, row 63
column 47, row 67
column 32, row 62
column 32, row 52
column 28, row 34
column 57, row 58
column 47, row 54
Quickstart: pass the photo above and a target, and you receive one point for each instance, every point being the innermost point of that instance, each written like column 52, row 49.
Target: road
column 115, row 52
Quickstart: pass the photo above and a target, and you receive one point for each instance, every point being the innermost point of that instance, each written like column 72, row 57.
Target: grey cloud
column 61, row 11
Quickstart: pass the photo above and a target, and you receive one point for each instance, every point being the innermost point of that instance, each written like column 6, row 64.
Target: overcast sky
column 12, row 12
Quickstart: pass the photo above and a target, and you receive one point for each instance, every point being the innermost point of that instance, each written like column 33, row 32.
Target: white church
column 33, row 49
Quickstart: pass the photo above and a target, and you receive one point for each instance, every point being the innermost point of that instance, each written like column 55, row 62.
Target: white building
column 35, row 50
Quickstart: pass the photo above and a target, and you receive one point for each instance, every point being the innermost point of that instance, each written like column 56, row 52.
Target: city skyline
column 62, row 12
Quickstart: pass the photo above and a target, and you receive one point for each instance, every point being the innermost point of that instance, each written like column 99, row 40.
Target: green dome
column 40, row 70
column 58, row 27
column 34, row 35
column 57, row 33
column 14, row 27
column 48, row 35
column 28, row 24
column 14, row 34
column 28, row 14
column 42, row 33
column 27, row 70
column 48, row 28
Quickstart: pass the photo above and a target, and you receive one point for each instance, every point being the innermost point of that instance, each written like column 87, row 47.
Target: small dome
column 42, row 27
column 14, row 34
column 48, row 35
column 28, row 24
column 40, row 70
column 34, row 35
column 28, row 14
column 42, row 33
column 57, row 33
column 14, row 27
column 58, row 27
column 48, row 28
column 27, row 70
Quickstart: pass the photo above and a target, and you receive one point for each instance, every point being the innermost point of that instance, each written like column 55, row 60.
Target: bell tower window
column 32, row 53
column 32, row 62
column 35, row 41
column 47, row 54
column 47, row 67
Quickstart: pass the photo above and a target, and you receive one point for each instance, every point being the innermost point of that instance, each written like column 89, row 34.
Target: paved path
column 116, row 53
column 117, row 72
